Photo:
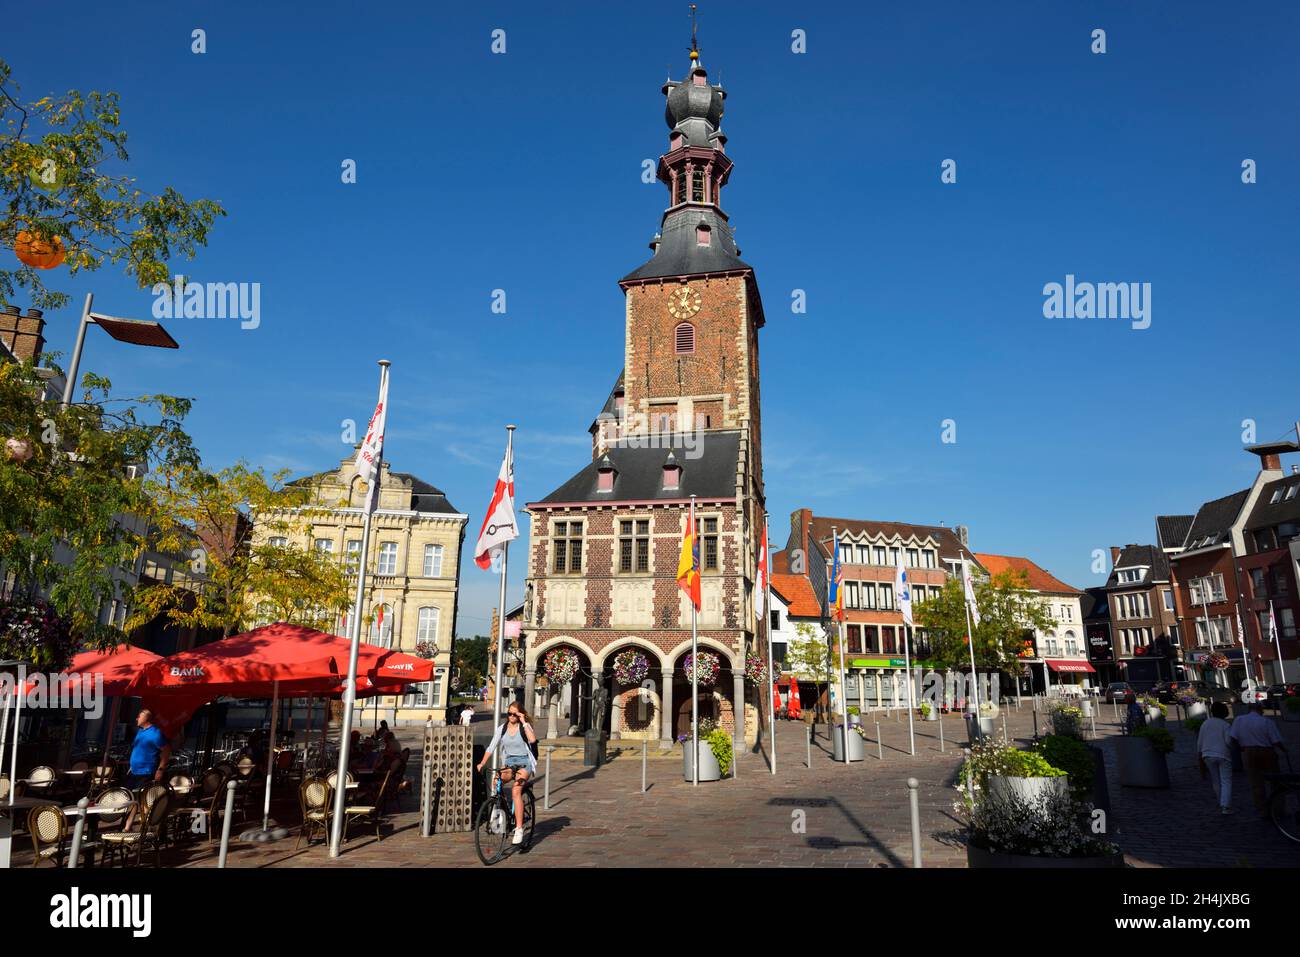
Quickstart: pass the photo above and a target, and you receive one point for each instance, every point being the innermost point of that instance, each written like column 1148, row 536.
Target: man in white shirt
column 1260, row 743
column 466, row 716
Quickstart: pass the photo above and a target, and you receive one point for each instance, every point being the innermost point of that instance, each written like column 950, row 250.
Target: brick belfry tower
column 681, row 420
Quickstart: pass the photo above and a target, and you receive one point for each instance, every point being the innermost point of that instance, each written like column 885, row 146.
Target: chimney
column 963, row 535
column 1114, row 555
column 672, row 473
column 23, row 336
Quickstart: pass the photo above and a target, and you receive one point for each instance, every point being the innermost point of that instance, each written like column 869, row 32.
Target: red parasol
column 776, row 697
column 118, row 666
column 794, row 707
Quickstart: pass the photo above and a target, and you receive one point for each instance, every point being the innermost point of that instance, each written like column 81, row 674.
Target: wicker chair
column 49, row 830
column 332, row 779
column 316, row 799
column 41, row 781
column 101, row 778
column 211, row 806
column 400, row 784
column 372, row 813
column 180, row 783
column 152, row 831
column 115, row 797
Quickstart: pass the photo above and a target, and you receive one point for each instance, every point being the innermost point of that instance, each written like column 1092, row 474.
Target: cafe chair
column 315, row 798
column 368, row 813
column 50, row 834
column 151, row 832
column 115, row 797
column 101, row 779
column 41, row 781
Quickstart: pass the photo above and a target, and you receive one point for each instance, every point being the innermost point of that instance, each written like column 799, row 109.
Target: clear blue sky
column 522, row 172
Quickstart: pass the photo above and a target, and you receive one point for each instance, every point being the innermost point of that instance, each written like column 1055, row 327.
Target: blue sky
column 522, row 172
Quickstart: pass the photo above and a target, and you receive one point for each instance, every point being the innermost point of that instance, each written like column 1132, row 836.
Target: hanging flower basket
column 426, row 649
column 755, row 667
column 709, row 667
column 630, row 667
column 1218, row 660
column 33, row 632
column 560, row 665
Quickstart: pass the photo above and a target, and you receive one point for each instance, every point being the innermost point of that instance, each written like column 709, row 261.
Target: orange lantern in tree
column 37, row 253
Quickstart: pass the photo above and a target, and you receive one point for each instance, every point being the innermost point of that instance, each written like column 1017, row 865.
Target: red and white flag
column 499, row 526
column 761, row 595
column 372, row 447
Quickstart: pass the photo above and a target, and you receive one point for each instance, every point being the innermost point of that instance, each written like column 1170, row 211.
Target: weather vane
column 695, row 48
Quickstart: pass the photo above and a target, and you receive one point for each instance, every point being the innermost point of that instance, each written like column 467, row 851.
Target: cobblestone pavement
column 851, row 816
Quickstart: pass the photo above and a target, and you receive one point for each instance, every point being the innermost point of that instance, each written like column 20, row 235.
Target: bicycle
column 494, row 825
column 1284, row 805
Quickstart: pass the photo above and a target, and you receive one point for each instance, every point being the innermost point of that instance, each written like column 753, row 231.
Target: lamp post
column 138, row 332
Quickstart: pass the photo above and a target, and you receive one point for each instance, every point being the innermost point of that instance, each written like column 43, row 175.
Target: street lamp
column 138, row 332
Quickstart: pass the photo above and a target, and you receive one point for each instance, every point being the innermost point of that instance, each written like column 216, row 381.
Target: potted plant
column 927, row 712
column 855, row 715
column 979, row 728
column 1005, row 771
column 856, row 738
column 1141, row 757
column 1193, row 706
column 1194, row 724
column 1074, row 758
column 715, row 752
column 1067, row 720
column 1155, row 711
column 1046, row 831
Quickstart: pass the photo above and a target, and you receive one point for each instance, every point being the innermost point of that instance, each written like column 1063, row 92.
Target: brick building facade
column 680, row 425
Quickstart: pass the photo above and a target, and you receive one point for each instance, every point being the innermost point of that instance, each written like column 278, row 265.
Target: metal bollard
column 225, row 822
column 943, row 748
column 912, row 785
column 1035, row 724
column 1005, row 739
column 77, row 831
column 1092, row 719
column 546, row 788
column 735, row 760
column 970, row 777
column 880, row 747
column 810, row 734
column 644, row 746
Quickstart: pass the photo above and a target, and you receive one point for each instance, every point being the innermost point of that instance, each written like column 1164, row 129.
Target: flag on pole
column 688, row 564
column 904, row 591
column 836, row 598
column 968, row 585
column 379, row 631
column 371, row 451
column 1272, row 623
column 761, row 591
column 499, row 527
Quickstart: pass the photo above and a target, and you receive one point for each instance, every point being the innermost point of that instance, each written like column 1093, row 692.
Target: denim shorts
column 517, row 761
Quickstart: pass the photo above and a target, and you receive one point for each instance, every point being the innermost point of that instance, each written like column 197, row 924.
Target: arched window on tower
column 697, row 186
column 685, row 338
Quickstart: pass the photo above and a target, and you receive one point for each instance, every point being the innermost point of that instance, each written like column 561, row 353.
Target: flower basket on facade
column 560, row 665
column 755, row 667
column 33, row 632
column 709, row 668
column 426, row 649
column 630, row 667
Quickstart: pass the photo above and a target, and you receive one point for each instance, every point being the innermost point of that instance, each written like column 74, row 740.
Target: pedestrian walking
column 1260, row 743
column 1214, row 747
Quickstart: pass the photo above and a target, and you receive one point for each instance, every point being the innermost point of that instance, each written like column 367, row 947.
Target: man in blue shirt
column 150, row 752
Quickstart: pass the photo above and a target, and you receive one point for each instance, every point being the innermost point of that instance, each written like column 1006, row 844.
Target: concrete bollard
column 225, row 822
column 1092, row 719
column 914, row 803
column 644, row 746
column 546, row 788
column 880, row 747
column 77, row 830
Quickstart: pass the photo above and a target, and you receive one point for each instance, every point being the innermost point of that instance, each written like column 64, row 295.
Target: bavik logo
column 74, row 910
column 209, row 300
column 193, row 671
column 1103, row 300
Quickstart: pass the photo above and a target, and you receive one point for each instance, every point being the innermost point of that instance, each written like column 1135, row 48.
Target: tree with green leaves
column 222, row 525
column 70, row 522
column 62, row 192
column 1008, row 611
column 471, row 662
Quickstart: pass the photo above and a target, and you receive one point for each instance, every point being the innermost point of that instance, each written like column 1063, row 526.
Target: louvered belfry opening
column 685, row 338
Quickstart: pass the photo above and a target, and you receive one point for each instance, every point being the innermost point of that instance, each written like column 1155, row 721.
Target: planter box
column 1100, row 796
column 934, row 715
column 978, row 729
column 1198, row 710
column 1026, row 790
column 1140, row 764
column 710, row 770
column 857, row 747
column 978, row 857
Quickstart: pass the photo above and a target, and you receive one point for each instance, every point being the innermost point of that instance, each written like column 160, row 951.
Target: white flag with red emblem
column 499, row 525
column 968, row 587
column 761, row 592
column 372, row 446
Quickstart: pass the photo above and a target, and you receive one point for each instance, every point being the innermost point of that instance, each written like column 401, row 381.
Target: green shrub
column 1193, row 724
column 853, row 709
column 719, row 743
column 997, row 760
column 1073, row 757
column 1161, row 739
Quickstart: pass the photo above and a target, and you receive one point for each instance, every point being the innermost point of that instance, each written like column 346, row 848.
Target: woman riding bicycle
column 515, row 735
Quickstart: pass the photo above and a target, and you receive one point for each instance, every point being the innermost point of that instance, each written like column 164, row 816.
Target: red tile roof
column 1039, row 579
column 797, row 592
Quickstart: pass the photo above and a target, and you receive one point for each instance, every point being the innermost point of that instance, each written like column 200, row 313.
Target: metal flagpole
column 18, row 718
column 844, row 698
column 1209, row 629
column 350, row 687
column 911, row 702
column 695, row 666
column 501, row 603
column 767, row 610
column 970, row 641
column 1245, row 654
column 1277, row 643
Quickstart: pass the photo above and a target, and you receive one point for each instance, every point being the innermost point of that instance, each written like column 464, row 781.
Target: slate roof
column 1095, row 603
column 949, row 546
column 1171, row 530
column 1265, row 514
column 679, row 254
column 1214, row 520
column 1133, row 555
column 424, row 497
column 797, row 593
column 1040, row 579
column 639, row 471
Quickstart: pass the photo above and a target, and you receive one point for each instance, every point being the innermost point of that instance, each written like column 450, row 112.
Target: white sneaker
column 519, row 836
column 1225, row 810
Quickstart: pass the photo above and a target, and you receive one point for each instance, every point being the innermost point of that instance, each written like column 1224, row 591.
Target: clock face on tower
column 684, row 302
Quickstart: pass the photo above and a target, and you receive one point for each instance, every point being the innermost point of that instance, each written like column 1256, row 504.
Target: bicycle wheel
column 490, row 832
column 1285, row 808
column 530, row 819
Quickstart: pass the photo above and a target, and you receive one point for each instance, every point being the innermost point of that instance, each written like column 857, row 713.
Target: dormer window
column 703, row 235
column 672, row 474
column 684, row 338
column 605, row 474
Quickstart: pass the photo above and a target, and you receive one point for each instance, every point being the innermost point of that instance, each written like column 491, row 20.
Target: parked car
column 1121, row 692
column 1168, row 691
column 1274, row 695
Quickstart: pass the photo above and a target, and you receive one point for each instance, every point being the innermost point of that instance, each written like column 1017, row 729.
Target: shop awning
column 1070, row 667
